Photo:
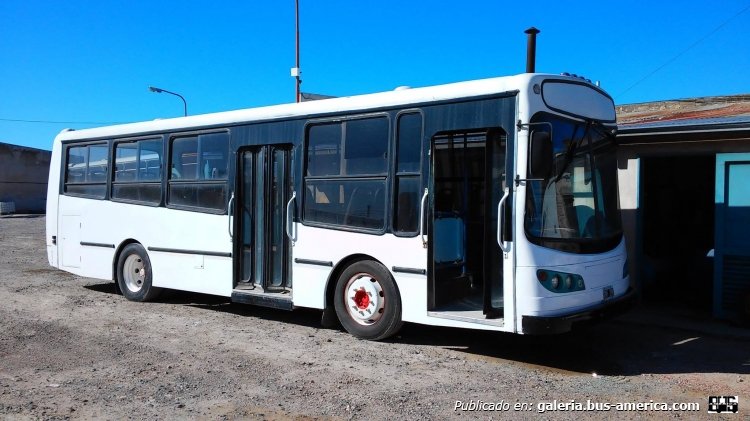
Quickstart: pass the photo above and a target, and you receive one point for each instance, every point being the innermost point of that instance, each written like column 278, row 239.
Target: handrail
column 504, row 246
column 289, row 220
column 421, row 218
column 229, row 218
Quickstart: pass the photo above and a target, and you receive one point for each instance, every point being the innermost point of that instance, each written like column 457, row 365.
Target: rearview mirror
column 540, row 155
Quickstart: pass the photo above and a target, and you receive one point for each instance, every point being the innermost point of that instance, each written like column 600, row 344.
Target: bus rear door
column 261, row 246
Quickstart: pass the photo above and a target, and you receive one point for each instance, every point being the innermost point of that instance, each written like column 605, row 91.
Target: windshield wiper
column 570, row 152
column 602, row 131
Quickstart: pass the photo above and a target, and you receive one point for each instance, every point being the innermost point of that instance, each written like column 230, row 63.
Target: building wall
column 628, row 178
column 634, row 152
column 23, row 177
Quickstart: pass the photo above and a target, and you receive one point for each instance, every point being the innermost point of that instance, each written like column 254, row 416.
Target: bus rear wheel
column 367, row 301
column 134, row 274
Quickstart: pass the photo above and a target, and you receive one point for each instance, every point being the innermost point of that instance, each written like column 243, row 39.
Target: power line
column 18, row 120
column 693, row 45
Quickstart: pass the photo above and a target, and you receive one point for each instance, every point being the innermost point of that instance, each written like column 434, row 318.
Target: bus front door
column 467, row 263
column 262, row 264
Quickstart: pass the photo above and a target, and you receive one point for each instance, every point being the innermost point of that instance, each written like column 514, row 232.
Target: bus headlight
column 560, row 282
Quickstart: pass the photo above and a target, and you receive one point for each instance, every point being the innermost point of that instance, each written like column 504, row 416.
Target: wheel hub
column 361, row 299
column 134, row 272
column 364, row 299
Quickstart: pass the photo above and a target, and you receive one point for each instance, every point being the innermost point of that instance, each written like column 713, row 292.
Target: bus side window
column 407, row 185
column 77, row 162
column 346, row 173
column 198, row 173
column 86, row 170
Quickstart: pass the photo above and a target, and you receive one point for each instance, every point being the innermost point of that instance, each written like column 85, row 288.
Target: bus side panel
column 92, row 230
column 80, row 223
column 328, row 245
column 188, row 234
column 53, row 191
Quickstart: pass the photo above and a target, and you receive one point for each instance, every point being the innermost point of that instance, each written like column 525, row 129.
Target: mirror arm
column 518, row 180
column 522, row 126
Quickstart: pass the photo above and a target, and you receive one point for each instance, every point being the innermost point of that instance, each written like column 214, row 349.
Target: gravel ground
column 71, row 347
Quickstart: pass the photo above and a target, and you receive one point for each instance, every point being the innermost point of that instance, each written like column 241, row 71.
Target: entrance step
column 279, row 300
column 471, row 316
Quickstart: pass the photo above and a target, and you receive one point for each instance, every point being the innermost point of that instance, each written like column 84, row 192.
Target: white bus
column 488, row 204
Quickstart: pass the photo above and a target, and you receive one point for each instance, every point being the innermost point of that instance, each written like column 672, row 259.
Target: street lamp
column 159, row 90
column 296, row 72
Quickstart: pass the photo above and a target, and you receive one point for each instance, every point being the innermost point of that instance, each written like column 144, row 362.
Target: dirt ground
column 70, row 347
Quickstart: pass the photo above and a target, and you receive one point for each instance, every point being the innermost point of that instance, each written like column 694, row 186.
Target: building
column 23, row 178
column 684, row 176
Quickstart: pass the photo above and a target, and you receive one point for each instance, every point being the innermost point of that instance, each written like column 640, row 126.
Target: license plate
column 608, row 293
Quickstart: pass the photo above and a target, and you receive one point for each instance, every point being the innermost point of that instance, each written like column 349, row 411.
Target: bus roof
column 395, row 98
column 402, row 97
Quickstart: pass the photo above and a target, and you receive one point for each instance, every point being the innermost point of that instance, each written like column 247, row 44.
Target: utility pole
column 296, row 72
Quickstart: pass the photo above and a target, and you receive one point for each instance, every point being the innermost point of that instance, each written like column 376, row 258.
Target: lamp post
column 159, row 90
column 296, row 72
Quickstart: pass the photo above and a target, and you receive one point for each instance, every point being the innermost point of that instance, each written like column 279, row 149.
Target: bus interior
column 466, row 260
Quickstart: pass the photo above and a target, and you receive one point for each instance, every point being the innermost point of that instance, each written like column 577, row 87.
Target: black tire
column 134, row 274
column 367, row 301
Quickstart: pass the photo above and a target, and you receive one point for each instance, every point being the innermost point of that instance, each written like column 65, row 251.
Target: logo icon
column 723, row 404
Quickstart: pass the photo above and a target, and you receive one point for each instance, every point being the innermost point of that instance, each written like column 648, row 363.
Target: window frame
column 225, row 181
column 64, row 179
column 160, row 181
column 383, row 177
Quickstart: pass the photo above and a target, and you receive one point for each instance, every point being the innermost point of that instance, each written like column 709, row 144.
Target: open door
column 732, row 246
column 262, row 248
column 468, row 176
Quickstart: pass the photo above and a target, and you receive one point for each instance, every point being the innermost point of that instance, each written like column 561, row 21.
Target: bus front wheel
column 134, row 274
column 367, row 301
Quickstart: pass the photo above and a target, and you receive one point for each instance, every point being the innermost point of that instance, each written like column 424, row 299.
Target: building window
column 86, row 170
column 407, row 182
column 198, row 171
column 138, row 167
column 346, row 172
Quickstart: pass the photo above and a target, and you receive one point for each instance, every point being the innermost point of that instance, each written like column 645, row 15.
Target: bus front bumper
column 536, row 325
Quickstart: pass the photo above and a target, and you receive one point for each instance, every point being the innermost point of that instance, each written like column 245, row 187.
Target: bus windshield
column 574, row 207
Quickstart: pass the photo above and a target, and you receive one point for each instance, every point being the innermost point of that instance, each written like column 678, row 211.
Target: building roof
column 718, row 113
column 11, row 146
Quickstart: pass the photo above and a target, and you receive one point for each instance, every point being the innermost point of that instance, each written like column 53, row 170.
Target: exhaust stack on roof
column 531, row 49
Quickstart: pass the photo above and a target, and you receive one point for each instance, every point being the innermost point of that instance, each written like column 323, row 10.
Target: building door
column 732, row 247
column 261, row 243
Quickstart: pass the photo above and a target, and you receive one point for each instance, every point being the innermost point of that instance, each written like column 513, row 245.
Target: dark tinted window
column 409, row 140
column 86, row 170
column 138, row 171
column 354, row 203
column 149, row 160
column 366, row 146
column 406, row 195
column 406, row 215
column 77, row 161
column 324, row 149
column 345, row 181
column 184, row 158
column 198, row 172
column 98, row 157
column 126, row 161
column 198, row 195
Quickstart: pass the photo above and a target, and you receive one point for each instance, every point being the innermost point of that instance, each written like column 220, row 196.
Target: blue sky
column 87, row 63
